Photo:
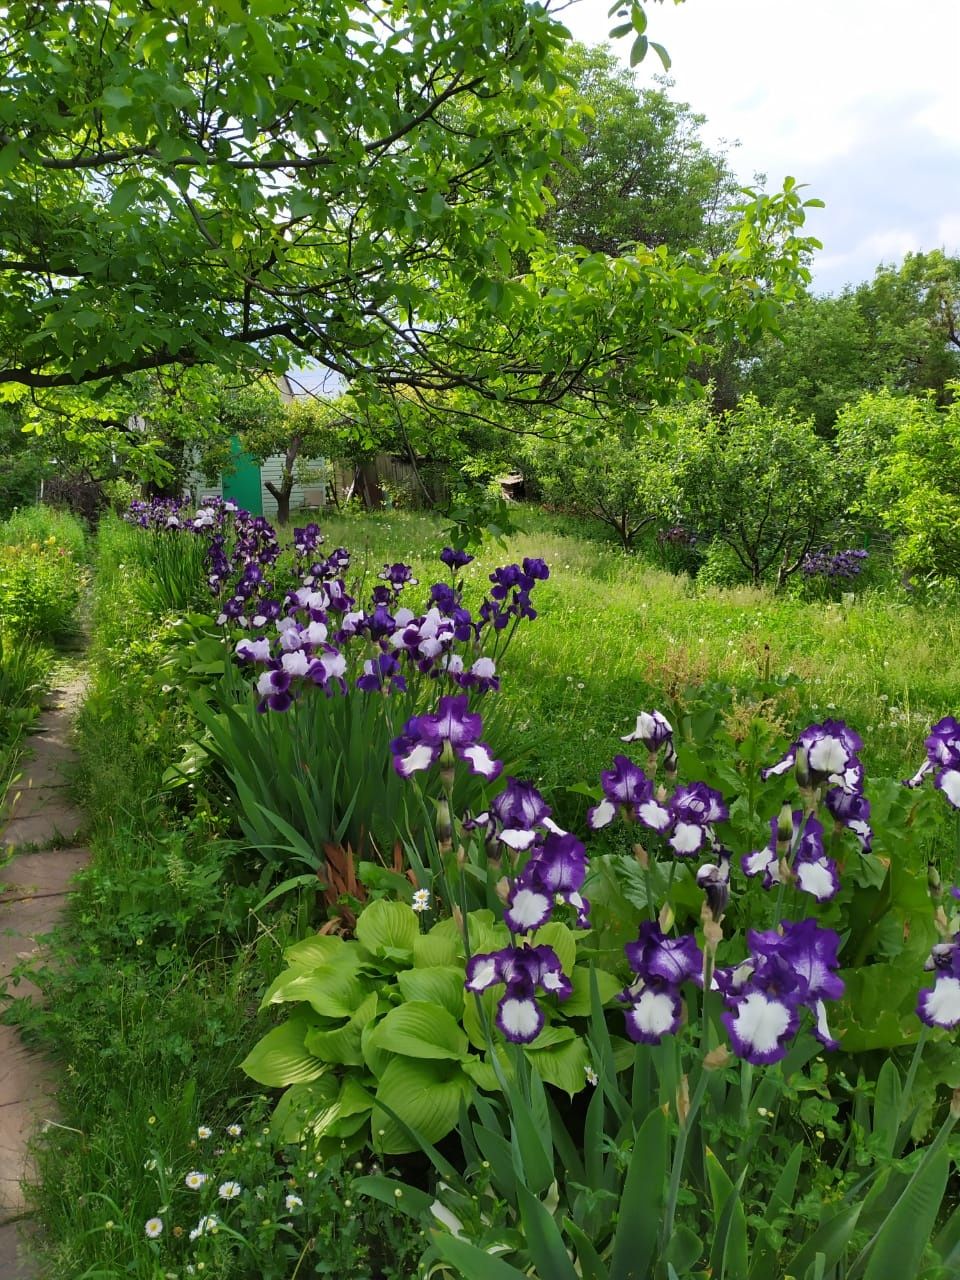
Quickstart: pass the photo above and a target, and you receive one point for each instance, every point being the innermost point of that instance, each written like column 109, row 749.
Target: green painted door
column 242, row 481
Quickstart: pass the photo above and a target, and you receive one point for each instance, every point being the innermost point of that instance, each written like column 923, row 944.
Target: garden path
column 33, row 889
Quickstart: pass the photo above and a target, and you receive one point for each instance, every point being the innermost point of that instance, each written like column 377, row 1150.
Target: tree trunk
column 370, row 486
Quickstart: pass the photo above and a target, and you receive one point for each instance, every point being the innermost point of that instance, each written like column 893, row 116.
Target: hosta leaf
column 420, row 1030
column 281, row 1058
column 442, row 985
column 425, row 1095
column 563, row 1065
column 388, row 928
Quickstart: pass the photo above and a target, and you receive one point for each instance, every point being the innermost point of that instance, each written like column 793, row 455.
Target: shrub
column 41, row 579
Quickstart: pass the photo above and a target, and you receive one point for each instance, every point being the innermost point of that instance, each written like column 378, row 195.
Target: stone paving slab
column 33, row 887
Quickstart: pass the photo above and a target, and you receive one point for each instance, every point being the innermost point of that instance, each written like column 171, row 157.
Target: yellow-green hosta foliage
column 382, row 1047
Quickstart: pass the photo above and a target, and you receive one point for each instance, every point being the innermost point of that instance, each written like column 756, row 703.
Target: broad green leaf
column 830, row 1238
column 563, row 1065
column 280, row 1057
column 331, row 992
column 412, row 1201
column 343, row 1044
column 436, row 948
column 886, row 1107
column 473, row 1263
column 425, row 1095
column 577, row 1004
column 299, row 1106
column 387, row 928
column 441, row 984
column 321, row 949
column 728, row 1257
column 562, row 940
column 420, row 1030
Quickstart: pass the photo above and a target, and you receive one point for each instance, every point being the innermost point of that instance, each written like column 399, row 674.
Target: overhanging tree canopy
column 243, row 183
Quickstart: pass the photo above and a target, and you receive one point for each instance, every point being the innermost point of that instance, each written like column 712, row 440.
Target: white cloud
column 848, row 96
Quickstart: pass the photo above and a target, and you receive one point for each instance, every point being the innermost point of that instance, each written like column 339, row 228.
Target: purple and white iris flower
column 939, row 1005
column 554, row 873
column 714, row 880
column 766, row 862
column 803, row 851
column 662, row 965
column 693, row 810
column 943, row 760
column 652, row 729
column 452, row 726
column 515, row 816
column 522, row 971
column 626, row 788
column 786, row 972
column 852, row 810
column 829, row 752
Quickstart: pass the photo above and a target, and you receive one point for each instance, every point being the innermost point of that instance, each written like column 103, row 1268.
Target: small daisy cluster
column 259, row 1200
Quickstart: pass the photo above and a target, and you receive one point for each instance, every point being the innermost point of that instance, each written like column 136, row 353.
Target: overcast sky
column 860, row 99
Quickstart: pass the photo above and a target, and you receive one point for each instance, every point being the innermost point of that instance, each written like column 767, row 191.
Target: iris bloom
column 556, row 870
column 662, row 964
column 943, row 760
column 652, row 729
column 515, row 816
column 831, row 755
column 452, row 726
column 521, row 971
column 939, row 1005
column 785, row 972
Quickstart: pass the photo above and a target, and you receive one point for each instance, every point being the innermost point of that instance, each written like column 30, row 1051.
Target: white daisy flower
column 153, row 1227
column 195, row 1179
column 229, row 1190
column 592, row 1077
column 204, row 1132
column 293, row 1202
column 234, row 1130
column 421, row 900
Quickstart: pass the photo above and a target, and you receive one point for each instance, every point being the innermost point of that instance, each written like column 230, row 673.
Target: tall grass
column 23, row 667
column 615, row 635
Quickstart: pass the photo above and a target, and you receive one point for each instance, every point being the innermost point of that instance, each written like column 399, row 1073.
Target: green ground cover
column 152, row 989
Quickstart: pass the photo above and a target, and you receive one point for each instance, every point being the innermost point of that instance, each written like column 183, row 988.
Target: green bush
column 42, row 579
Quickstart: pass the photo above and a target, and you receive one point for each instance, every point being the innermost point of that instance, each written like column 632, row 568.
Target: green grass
column 615, row 636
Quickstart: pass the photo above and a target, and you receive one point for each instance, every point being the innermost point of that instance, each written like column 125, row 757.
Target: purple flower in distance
column 398, row 576
column 453, row 726
column 274, row 689
column 626, row 787
column 382, row 674
column 714, row 880
column 652, row 729
column 766, row 862
column 522, row 971
column 516, row 814
column 939, row 1005
column 455, row 557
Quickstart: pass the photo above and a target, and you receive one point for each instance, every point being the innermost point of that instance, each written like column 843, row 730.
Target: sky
column 858, row 99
